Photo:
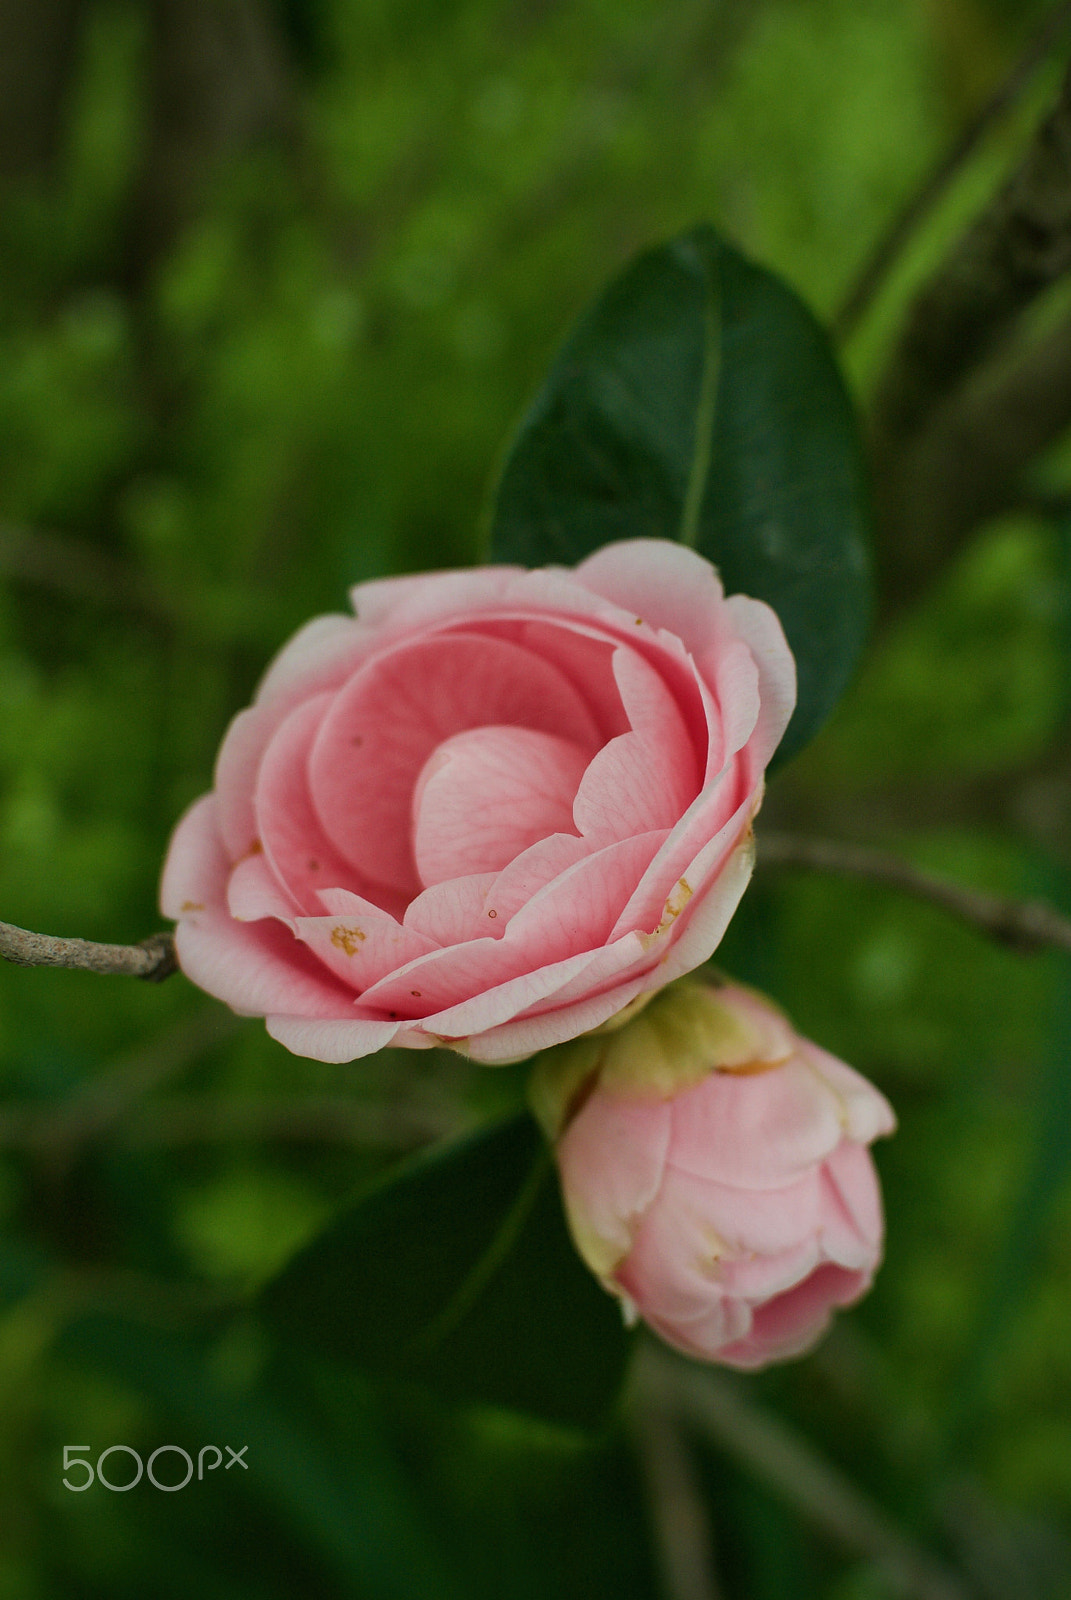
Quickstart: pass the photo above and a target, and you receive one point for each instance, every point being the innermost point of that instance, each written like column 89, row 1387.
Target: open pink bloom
column 488, row 811
column 715, row 1172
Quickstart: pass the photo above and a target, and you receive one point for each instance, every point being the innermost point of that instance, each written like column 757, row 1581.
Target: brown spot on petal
column 314, row 866
column 639, row 622
column 676, row 901
column 358, row 739
column 191, row 905
column 415, row 993
column 751, row 1069
column 492, row 913
column 348, row 939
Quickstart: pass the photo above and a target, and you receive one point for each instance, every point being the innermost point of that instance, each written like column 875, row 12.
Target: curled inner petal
column 485, row 795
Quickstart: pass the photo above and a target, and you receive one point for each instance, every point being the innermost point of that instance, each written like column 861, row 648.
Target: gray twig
column 153, row 958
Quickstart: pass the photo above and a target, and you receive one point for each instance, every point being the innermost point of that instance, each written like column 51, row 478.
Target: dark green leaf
column 698, row 400
column 460, row 1275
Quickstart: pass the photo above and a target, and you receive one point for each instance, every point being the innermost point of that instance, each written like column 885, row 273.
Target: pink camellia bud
column 715, row 1171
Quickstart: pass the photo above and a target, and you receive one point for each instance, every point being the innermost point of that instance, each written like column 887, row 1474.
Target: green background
column 236, row 379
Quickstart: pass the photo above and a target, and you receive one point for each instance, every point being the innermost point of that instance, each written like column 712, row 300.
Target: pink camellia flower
column 715, row 1172
column 489, row 811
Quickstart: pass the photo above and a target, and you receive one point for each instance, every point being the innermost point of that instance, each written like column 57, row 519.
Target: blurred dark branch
column 221, row 85
column 891, row 244
column 674, row 1495
column 1018, row 246
column 721, row 1412
column 960, row 412
column 153, row 958
column 968, row 465
column 39, row 42
column 1025, row 925
column 73, row 568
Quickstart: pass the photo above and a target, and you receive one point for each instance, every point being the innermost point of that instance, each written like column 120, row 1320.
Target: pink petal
column 612, row 1158
column 653, row 713
column 472, row 987
column 750, row 1222
column 851, row 1178
column 623, row 964
column 237, row 765
column 629, row 788
column 254, row 892
column 320, row 656
column 671, row 587
column 733, row 679
column 294, row 842
column 524, row 877
column 255, row 967
column 538, row 1030
column 394, row 608
column 644, row 779
column 693, row 928
column 667, row 584
column 487, row 794
column 332, row 1041
column 577, row 909
column 791, row 1323
column 196, row 869
column 454, row 912
column 585, row 657
column 358, row 942
column 758, row 625
column 722, row 1323
column 384, row 724
column 759, row 1278
column 867, row 1113
column 755, row 1131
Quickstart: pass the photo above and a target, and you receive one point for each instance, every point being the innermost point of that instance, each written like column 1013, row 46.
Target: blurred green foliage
column 311, row 382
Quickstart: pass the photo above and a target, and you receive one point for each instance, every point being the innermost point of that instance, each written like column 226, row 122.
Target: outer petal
column 196, row 869
column 321, row 655
column 674, row 588
column 791, row 1323
column 538, row 1030
column 755, row 1130
column 760, row 629
column 866, row 1112
column 612, row 1159
column 254, row 967
column 333, row 1041
column 662, row 581
column 300, row 853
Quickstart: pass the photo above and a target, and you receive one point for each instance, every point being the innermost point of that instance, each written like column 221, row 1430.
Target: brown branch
column 791, row 1467
column 1025, row 925
column 681, row 1523
column 968, row 466
column 153, row 958
column 884, row 254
